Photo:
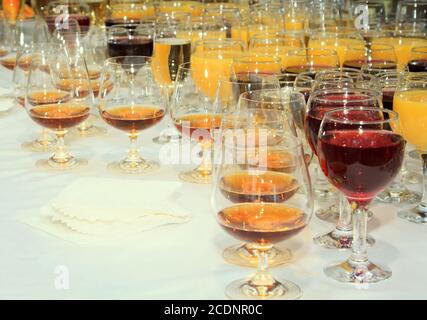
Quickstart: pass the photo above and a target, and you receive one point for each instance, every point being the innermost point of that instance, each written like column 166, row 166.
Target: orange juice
column 402, row 47
column 340, row 45
column 193, row 7
column 412, row 109
column 209, row 67
column 273, row 50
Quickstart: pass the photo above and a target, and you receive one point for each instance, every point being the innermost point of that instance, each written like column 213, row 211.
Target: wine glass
column 130, row 101
column 72, row 9
column 295, row 15
column 418, row 60
column 129, row 12
column 193, row 7
column 193, row 114
column 361, row 151
column 11, row 13
column 209, row 27
column 310, row 60
column 319, row 103
column 124, row 41
column 410, row 102
column 231, row 16
column 254, row 203
column 374, row 55
column 412, row 14
column 323, row 15
column 275, row 45
column 24, row 57
column 339, row 40
column 54, row 105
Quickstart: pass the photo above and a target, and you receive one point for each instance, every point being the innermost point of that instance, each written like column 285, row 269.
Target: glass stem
column 422, row 207
column 205, row 167
column 44, row 137
column 61, row 154
column 262, row 280
column 344, row 218
column 359, row 247
column 133, row 153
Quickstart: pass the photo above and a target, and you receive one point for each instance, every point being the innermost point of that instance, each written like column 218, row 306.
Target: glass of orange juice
column 310, row 60
column 410, row 102
column 274, row 44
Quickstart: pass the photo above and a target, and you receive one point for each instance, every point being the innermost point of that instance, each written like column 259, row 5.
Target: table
column 171, row 262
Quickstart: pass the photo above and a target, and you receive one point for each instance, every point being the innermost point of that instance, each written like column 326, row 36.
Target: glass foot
column 413, row 215
column 166, row 139
column 39, row 145
column 133, row 167
column 245, row 256
column 278, row 290
column 338, row 239
column 331, row 214
column 352, row 272
column 404, row 197
column 51, row 164
column 84, row 132
column 196, row 176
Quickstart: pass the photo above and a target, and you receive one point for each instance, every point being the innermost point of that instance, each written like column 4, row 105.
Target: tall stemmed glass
column 56, row 106
column 410, row 101
column 319, row 103
column 44, row 142
column 254, row 203
column 361, row 151
column 130, row 101
column 172, row 47
column 193, row 114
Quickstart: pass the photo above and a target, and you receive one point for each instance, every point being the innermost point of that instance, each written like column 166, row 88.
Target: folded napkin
column 100, row 210
column 7, row 100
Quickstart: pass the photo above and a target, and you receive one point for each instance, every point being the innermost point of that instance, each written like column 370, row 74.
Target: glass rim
column 420, row 49
column 370, row 47
column 322, row 52
column 216, row 40
column 247, row 57
column 328, row 114
column 280, row 96
column 316, row 95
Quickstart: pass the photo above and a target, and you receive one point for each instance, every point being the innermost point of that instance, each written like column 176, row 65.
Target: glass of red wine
column 60, row 12
column 418, row 60
column 122, row 41
column 360, row 151
column 374, row 55
column 319, row 103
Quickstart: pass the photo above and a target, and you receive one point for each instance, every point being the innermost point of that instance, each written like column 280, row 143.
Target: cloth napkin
column 93, row 210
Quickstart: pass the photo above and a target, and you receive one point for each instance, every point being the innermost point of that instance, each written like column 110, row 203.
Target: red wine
column 318, row 109
column 130, row 23
column 374, row 64
column 361, row 163
column 417, row 66
column 83, row 21
column 388, row 96
column 130, row 46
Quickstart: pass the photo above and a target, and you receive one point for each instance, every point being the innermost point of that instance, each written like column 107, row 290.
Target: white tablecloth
column 172, row 262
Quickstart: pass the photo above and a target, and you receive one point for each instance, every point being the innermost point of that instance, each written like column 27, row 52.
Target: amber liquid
column 133, row 118
column 276, row 160
column 47, row 97
column 268, row 186
column 21, row 100
column 8, row 63
column 263, row 223
column 59, row 116
column 189, row 123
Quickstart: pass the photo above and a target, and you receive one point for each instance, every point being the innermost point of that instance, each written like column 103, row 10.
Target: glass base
column 404, row 197
column 243, row 255
column 128, row 167
column 164, row 139
column 337, row 239
column 71, row 163
column 39, row 145
column 352, row 272
column 196, row 176
column 414, row 155
column 331, row 214
column 84, row 132
column 279, row 290
column 413, row 215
